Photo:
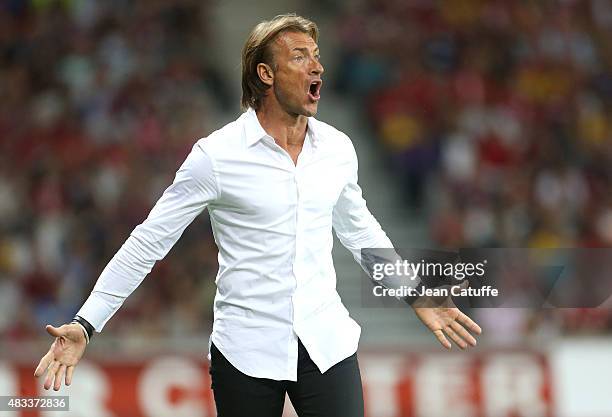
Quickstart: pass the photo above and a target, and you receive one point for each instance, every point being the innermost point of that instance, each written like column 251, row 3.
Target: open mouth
column 314, row 90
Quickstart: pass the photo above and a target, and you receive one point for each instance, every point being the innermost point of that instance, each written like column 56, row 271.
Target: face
column 296, row 73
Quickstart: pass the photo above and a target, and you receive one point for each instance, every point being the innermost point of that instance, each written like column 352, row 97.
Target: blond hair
column 257, row 50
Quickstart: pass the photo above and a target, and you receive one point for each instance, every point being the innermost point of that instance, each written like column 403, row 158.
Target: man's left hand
column 446, row 321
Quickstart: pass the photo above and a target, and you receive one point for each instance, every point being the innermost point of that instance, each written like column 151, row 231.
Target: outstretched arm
column 357, row 229
column 193, row 188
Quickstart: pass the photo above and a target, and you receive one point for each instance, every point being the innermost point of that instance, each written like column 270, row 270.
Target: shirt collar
column 255, row 132
column 253, row 129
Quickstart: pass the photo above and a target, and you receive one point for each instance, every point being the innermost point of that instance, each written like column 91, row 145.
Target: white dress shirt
column 272, row 222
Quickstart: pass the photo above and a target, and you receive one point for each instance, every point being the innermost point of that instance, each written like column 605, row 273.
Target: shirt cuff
column 99, row 308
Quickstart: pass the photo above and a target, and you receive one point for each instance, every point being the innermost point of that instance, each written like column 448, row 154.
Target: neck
column 285, row 128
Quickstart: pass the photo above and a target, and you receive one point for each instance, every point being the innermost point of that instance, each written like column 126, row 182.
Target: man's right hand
column 64, row 354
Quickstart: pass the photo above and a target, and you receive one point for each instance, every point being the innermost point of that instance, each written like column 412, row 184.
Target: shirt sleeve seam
column 215, row 171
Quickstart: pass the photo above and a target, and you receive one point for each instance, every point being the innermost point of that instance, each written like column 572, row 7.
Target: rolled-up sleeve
column 194, row 187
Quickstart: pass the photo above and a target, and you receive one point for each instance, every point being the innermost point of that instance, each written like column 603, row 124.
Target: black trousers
column 335, row 393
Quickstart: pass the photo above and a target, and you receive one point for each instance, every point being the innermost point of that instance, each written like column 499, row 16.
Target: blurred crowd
column 496, row 117
column 101, row 102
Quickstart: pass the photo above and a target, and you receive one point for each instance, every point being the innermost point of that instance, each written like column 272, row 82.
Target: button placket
column 296, row 224
column 295, row 268
column 298, row 176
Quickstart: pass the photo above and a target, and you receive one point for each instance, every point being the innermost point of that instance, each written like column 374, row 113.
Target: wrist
column 87, row 328
column 416, row 293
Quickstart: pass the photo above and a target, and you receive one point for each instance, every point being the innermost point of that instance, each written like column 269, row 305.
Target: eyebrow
column 304, row 50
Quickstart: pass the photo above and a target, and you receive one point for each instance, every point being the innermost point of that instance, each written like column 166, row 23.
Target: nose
column 317, row 68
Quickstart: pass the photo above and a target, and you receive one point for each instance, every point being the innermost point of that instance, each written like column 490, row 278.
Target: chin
column 310, row 110
column 307, row 110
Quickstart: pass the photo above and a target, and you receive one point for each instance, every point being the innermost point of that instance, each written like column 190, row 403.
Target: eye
column 298, row 58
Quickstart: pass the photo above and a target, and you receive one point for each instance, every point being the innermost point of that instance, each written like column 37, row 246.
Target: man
column 275, row 182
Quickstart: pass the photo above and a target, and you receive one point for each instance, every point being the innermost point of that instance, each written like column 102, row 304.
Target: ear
column 265, row 73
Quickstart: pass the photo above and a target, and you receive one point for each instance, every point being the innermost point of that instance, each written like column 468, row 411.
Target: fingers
column 56, row 371
column 469, row 323
column 51, row 373
column 455, row 337
column 59, row 375
column 442, row 339
column 69, row 372
column 44, row 363
column 464, row 334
